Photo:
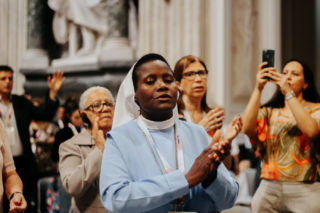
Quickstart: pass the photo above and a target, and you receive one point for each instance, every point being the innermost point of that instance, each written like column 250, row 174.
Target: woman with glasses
column 80, row 156
column 191, row 73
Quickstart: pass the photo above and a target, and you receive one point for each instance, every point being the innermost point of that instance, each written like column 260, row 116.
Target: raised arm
column 55, row 83
column 252, row 109
column 307, row 125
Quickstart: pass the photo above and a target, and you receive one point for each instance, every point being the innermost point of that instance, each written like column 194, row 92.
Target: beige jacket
column 80, row 162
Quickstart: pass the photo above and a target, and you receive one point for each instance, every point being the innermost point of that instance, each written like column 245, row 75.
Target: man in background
column 17, row 113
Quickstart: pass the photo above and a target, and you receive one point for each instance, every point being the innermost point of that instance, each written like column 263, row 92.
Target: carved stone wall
column 227, row 34
column 106, row 67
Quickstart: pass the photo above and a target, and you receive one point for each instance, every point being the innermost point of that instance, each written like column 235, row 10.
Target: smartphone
column 268, row 56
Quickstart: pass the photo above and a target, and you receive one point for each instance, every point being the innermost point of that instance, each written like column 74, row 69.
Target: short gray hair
column 87, row 92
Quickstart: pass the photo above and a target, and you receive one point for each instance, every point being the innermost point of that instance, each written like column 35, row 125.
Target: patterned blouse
column 288, row 155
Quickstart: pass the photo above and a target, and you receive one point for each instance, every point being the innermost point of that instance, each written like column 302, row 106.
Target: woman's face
column 295, row 76
column 75, row 118
column 194, row 80
column 105, row 113
column 156, row 89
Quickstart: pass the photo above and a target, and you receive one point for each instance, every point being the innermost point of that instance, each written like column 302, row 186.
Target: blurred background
column 95, row 42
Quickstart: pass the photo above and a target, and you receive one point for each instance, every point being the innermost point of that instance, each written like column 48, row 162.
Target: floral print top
column 288, row 155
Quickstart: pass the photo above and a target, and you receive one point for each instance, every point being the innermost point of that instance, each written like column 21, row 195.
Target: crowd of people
column 159, row 147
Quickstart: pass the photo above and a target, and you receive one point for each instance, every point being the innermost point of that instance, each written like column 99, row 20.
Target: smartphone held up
column 268, row 56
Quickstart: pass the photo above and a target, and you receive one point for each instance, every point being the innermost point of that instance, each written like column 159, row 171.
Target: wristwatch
column 290, row 95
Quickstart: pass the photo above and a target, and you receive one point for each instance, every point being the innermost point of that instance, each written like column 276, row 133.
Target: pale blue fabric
column 131, row 181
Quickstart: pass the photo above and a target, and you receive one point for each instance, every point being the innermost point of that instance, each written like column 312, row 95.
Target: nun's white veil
column 126, row 109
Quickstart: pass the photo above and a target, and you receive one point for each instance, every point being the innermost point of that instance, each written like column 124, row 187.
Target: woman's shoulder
column 128, row 128
column 83, row 138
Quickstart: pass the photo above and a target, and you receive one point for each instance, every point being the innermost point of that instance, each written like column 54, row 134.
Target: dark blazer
column 25, row 112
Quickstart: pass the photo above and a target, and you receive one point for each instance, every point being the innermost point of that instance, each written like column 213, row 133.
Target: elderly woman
column 157, row 163
column 286, row 131
column 13, row 185
column 80, row 156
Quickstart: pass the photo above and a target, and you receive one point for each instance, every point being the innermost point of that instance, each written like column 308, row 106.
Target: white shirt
column 9, row 120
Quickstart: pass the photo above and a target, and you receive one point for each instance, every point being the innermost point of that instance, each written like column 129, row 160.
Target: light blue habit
column 131, row 181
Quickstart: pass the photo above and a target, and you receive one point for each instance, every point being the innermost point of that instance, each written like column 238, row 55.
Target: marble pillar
column 171, row 28
column 218, row 52
column 245, row 49
column 238, row 30
column 36, row 56
column 13, row 16
column 270, row 37
column 117, row 47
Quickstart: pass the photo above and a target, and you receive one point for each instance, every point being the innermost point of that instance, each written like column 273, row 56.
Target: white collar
column 158, row 124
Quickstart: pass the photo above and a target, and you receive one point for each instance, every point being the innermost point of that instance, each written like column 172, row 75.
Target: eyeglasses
column 192, row 74
column 98, row 106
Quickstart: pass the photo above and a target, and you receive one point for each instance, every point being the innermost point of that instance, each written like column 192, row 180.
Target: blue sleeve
column 224, row 189
column 120, row 193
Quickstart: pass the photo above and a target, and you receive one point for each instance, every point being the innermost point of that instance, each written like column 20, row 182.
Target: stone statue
column 87, row 16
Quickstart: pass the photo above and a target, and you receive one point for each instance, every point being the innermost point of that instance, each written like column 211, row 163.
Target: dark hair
column 180, row 66
column 70, row 106
column 309, row 94
column 142, row 60
column 5, row 68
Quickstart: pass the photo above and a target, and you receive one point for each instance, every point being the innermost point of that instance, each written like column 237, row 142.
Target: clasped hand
column 213, row 119
column 205, row 166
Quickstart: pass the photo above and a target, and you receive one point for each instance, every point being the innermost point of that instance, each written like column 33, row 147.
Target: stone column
column 13, row 15
column 171, row 28
column 270, row 37
column 245, row 52
column 36, row 57
column 238, row 30
column 117, row 47
column 219, row 52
